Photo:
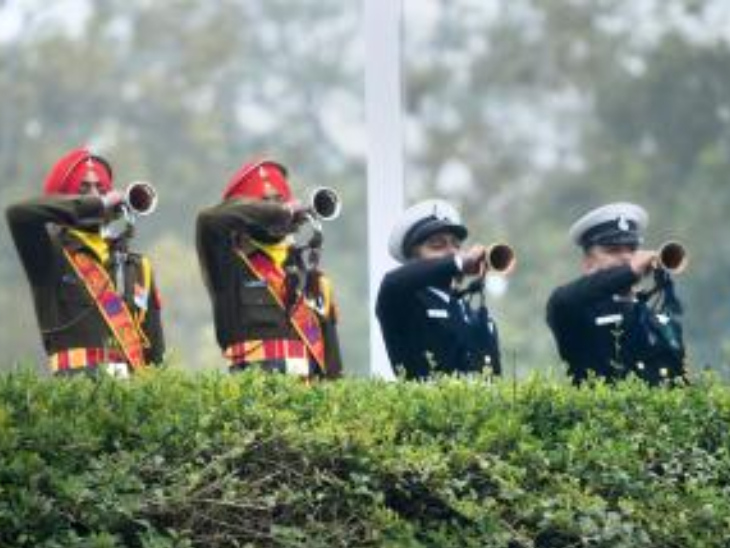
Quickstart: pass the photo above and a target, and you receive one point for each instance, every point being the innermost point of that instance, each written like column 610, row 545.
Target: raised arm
column 32, row 222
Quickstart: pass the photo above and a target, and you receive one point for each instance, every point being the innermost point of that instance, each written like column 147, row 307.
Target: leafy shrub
column 208, row 460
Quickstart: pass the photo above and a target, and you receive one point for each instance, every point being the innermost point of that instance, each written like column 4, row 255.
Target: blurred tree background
column 525, row 113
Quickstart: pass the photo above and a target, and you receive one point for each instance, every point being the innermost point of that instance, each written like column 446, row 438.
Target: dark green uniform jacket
column 67, row 315
column 243, row 307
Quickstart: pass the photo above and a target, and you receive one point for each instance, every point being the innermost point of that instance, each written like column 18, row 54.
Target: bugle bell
column 140, row 198
column 501, row 258
column 672, row 257
column 325, row 203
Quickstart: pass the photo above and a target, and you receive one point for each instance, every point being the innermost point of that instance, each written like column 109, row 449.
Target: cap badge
column 438, row 214
column 623, row 223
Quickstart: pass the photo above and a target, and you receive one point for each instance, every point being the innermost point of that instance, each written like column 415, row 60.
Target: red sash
column 112, row 307
column 302, row 318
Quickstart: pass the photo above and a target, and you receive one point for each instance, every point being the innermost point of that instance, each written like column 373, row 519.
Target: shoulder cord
column 666, row 298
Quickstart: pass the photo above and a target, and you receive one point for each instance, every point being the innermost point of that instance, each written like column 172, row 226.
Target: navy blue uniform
column 427, row 328
column 600, row 327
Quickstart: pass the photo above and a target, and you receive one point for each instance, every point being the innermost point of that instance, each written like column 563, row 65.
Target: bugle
column 501, row 258
column 325, row 203
column 140, row 198
column 672, row 257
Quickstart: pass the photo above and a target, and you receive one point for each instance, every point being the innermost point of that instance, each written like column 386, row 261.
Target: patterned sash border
column 112, row 307
column 302, row 318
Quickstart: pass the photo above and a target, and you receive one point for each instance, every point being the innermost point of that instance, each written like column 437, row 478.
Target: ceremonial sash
column 111, row 306
column 301, row 317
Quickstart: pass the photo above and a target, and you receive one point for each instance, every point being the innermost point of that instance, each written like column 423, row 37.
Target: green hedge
column 210, row 460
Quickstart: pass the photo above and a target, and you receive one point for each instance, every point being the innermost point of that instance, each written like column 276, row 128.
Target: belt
column 85, row 358
column 288, row 356
column 269, row 349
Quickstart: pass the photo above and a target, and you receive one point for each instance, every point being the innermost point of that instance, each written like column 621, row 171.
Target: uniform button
column 487, row 359
column 640, row 366
column 663, row 372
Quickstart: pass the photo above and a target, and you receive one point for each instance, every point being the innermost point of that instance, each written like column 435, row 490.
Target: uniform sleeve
column 31, row 220
column 333, row 354
column 152, row 327
column 399, row 286
column 590, row 289
column 216, row 227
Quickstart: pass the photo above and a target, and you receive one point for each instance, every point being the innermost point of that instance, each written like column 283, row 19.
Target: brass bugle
column 673, row 257
column 141, row 198
column 501, row 258
column 325, row 203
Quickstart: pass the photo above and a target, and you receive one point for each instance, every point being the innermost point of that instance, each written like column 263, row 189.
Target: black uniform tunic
column 600, row 327
column 427, row 328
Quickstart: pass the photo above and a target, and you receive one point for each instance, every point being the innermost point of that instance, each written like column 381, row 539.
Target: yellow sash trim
column 328, row 304
column 277, row 252
column 93, row 241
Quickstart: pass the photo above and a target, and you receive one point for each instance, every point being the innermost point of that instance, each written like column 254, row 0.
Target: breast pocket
column 259, row 306
column 255, row 295
column 71, row 290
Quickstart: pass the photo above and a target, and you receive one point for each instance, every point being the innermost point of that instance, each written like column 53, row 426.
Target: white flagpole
column 383, row 99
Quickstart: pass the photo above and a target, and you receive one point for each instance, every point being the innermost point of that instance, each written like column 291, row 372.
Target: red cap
column 257, row 179
column 69, row 172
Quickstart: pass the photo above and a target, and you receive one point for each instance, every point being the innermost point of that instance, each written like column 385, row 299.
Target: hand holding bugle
column 671, row 257
column 123, row 209
column 323, row 204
